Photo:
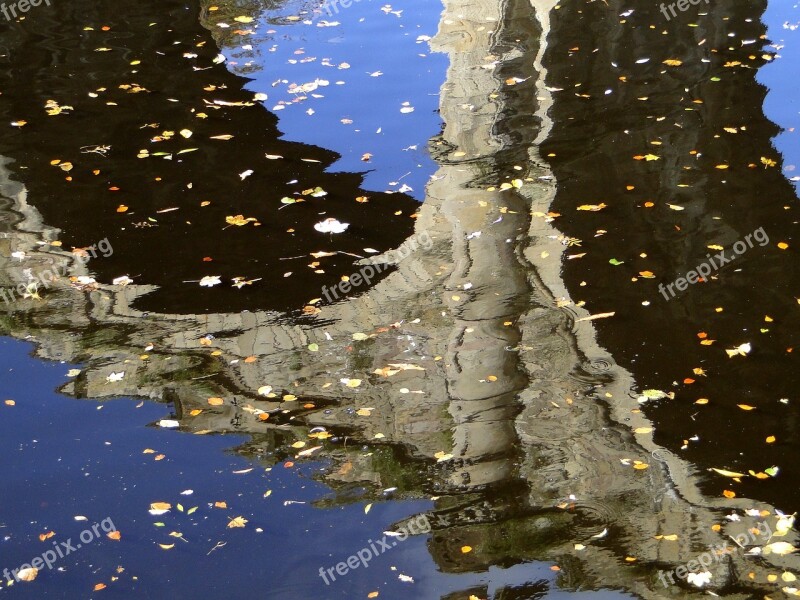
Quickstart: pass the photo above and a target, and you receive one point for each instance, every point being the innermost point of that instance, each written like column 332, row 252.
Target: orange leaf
column 100, row 586
column 115, row 535
column 729, row 494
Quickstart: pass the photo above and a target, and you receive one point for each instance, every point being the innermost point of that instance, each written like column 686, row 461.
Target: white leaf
column 124, row 280
column 699, row 579
column 331, row 225
column 742, row 350
column 210, row 280
column 780, row 548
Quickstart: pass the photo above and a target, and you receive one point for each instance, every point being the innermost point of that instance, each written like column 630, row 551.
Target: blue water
column 409, row 73
column 782, row 104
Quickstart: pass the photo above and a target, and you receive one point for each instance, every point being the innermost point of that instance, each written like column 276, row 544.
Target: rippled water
column 517, row 381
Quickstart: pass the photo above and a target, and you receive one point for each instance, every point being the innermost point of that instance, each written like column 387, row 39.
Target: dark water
column 467, row 385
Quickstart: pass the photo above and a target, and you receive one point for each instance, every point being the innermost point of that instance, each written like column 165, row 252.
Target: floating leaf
column 725, row 473
column 28, row 574
column 742, row 350
column 331, row 225
column 237, row 522
column 779, row 548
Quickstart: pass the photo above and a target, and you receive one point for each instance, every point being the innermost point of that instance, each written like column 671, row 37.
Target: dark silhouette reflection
column 474, row 377
column 703, row 114
column 144, row 85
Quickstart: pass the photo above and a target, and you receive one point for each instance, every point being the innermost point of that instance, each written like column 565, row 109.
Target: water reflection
column 468, row 374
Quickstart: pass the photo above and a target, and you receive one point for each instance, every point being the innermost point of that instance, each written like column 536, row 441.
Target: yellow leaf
column 746, row 407
column 238, row 220
column 771, row 439
column 643, row 430
column 216, row 401
column 729, row 494
column 466, row 549
column 237, row 522
column 725, row 473
column 166, row 546
column 673, row 62
column 160, row 506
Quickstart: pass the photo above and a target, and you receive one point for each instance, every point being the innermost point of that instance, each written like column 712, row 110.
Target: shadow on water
column 469, row 378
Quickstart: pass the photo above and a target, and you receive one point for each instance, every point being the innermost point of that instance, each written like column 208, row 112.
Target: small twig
column 219, row 545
